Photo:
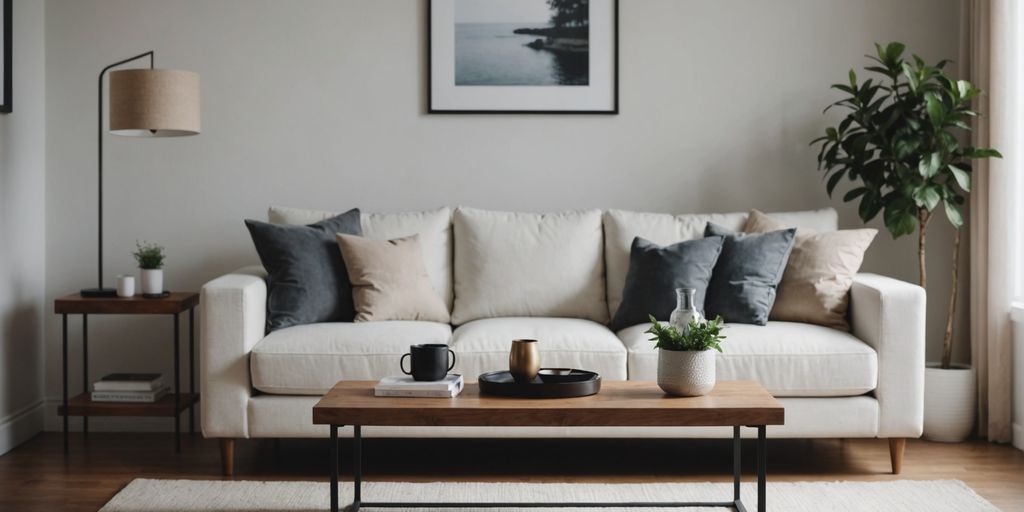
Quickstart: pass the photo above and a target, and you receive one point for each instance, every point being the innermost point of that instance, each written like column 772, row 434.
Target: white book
column 418, row 393
column 129, row 396
column 406, row 382
column 129, row 382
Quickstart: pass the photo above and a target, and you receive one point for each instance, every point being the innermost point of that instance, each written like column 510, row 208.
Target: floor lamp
column 143, row 103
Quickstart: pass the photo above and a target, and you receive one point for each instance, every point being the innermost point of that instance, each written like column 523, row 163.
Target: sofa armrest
column 889, row 315
column 234, row 318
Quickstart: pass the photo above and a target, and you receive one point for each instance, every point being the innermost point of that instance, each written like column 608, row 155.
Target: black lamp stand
column 100, row 291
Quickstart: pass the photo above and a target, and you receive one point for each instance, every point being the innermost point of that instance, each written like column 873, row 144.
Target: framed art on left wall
column 523, row 56
column 5, row 56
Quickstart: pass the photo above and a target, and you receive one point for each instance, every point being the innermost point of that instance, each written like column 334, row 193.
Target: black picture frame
column 615, row 80
column 5, row 66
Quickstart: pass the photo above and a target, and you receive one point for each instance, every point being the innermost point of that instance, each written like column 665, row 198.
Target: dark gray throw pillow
column 306, row 277
column 742, row 288
column 655, row 272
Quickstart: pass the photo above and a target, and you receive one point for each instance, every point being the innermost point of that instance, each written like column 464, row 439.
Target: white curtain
column 990, row 43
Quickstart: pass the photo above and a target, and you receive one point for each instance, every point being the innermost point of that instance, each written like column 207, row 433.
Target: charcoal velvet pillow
column 747, row 273
column 306, row 277
column 655, row 272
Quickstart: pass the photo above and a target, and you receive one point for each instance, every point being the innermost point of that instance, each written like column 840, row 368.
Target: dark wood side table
column 171, row 405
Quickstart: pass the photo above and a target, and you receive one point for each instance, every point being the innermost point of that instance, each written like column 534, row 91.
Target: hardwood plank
column 38, row 477
column 628, row 403
column 75, row 304
column 82, row 405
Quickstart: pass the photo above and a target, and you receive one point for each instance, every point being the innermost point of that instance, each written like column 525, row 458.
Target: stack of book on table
column 129, row 387
column 404, row 385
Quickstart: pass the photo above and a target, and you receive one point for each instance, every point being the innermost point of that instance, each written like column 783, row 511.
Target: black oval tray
column 502, row 384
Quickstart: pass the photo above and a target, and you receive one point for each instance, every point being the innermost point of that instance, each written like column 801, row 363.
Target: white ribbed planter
column 686, row 373
column 152, row 280
column 949, row 403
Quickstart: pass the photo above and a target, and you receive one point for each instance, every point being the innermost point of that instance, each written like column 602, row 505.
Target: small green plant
column 699, row 337
column 149, row 255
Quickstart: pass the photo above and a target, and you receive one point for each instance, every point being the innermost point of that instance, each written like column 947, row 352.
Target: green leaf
column 982, row 153
column 833, row 181
column 853, row 79
column 929, row 165
column 854, row 194
column 894, row 50
column 912, row 78
column 953, row 214
column 927, row 197
column 962, row 177
column 936, row 111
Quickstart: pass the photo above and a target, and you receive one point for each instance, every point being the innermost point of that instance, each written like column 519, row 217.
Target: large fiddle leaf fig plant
column 900, row 143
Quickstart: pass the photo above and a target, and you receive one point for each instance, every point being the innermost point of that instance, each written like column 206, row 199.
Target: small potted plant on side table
column 686, row 363
column 150, row 257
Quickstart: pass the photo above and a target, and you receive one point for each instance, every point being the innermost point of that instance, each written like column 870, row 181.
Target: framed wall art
column 523, row 56
column 5, row 56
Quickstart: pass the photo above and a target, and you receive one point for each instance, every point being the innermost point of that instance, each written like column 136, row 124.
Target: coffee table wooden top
column 619, row 404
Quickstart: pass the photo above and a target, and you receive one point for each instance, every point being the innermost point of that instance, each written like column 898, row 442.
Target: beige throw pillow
column 390, row 281
column 816, row 283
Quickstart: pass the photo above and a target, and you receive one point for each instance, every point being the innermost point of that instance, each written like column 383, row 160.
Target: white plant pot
column 686, row 373
column 949, row 403
column 152, row 280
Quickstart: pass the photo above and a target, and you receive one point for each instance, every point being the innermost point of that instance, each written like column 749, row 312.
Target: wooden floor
column 37, row 475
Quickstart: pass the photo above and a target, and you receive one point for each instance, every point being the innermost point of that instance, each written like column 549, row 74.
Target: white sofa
column 557, row 278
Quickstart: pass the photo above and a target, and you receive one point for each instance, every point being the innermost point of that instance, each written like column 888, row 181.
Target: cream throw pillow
column 390, row 281
column 816, row 283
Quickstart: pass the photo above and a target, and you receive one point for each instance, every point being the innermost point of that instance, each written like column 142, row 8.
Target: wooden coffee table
column 619, row 404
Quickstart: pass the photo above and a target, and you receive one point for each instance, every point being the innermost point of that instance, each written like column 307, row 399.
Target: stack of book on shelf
column 129, row 387
column 403, row 385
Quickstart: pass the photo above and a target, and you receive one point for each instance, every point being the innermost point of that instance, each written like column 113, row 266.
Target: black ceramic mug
column 429, row 361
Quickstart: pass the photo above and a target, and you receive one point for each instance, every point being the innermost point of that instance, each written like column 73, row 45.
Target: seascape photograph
column 522, row 42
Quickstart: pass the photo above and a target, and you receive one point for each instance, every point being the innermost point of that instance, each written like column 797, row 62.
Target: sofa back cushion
column 528, row 264
column 433, row 227
column 621, row 227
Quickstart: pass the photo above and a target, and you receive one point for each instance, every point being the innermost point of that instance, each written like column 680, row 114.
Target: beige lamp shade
column 154, row 102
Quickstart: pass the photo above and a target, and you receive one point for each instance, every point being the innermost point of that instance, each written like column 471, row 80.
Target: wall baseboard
column 55, row 423
column 21, row 426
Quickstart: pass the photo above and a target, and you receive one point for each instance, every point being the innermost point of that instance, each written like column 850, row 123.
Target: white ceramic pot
column 152, row 280
column 125, row 286
column 949, row 403
column 686, row 373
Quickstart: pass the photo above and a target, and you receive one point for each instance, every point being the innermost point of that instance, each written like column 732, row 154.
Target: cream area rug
column 143, row 495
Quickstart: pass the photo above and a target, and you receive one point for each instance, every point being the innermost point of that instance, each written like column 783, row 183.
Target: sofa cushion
column 306, row 277
column 789, row 359
column 389, row 280
column 311, row 359
column 528, row 264
column 483, row 345
column 621, row 227
column 742, row 288
column 433, row 226
column 655, row 272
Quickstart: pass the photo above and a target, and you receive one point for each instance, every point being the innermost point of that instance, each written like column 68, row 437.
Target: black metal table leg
column 334, row 468
column 85, row 368
column 357, row 467
column 64, row 380
column 737, row 468
column 177, row 388
column 762, row 467
column 192, row 370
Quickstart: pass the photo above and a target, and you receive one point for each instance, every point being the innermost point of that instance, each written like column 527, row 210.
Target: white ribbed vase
column 686, row 373
column 949, row 403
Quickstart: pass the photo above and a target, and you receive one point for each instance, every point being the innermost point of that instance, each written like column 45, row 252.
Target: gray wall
column 321, row 104
column 22, row 232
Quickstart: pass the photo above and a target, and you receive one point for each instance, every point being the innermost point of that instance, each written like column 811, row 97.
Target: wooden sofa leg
column 227, row 456
column 896, row 447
